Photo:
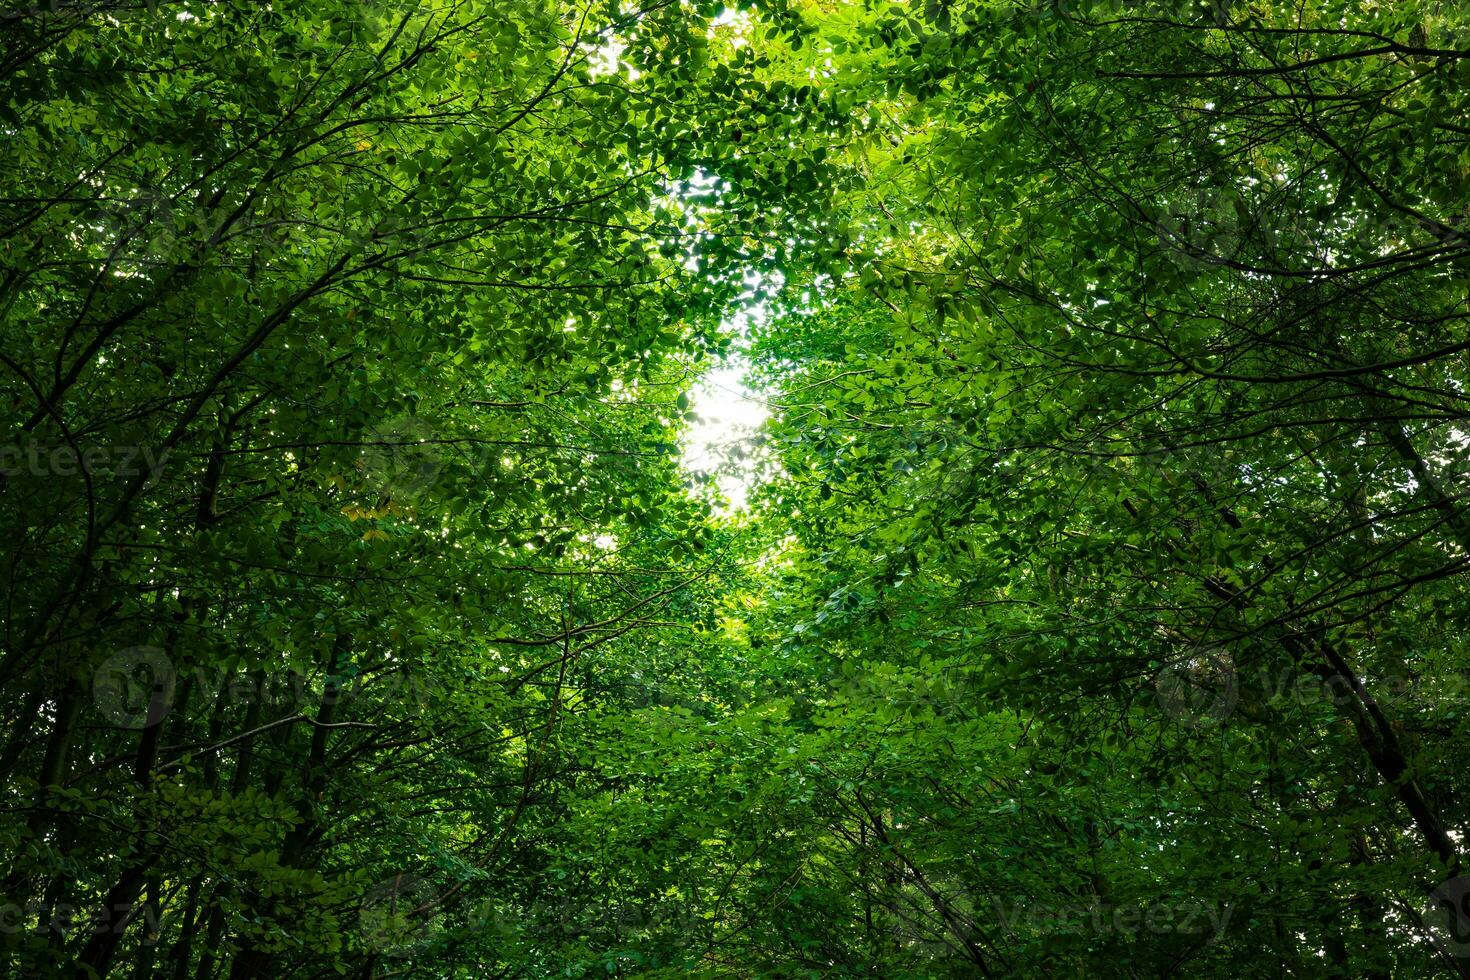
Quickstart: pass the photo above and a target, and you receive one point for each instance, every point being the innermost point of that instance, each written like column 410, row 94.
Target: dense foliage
column 1099, row 609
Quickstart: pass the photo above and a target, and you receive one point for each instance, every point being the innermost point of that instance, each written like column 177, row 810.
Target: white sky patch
column 730, row 414
column 738, row 23
column 607, row 59
column 728, row 16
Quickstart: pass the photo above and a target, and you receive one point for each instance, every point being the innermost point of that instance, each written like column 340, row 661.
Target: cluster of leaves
column 1121, row 492
column 344, row 356
column 1100, row 610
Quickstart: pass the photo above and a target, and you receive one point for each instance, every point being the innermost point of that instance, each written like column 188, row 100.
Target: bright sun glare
column 729, row 413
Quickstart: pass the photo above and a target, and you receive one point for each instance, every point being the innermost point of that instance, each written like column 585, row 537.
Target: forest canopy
column 1089, row 607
